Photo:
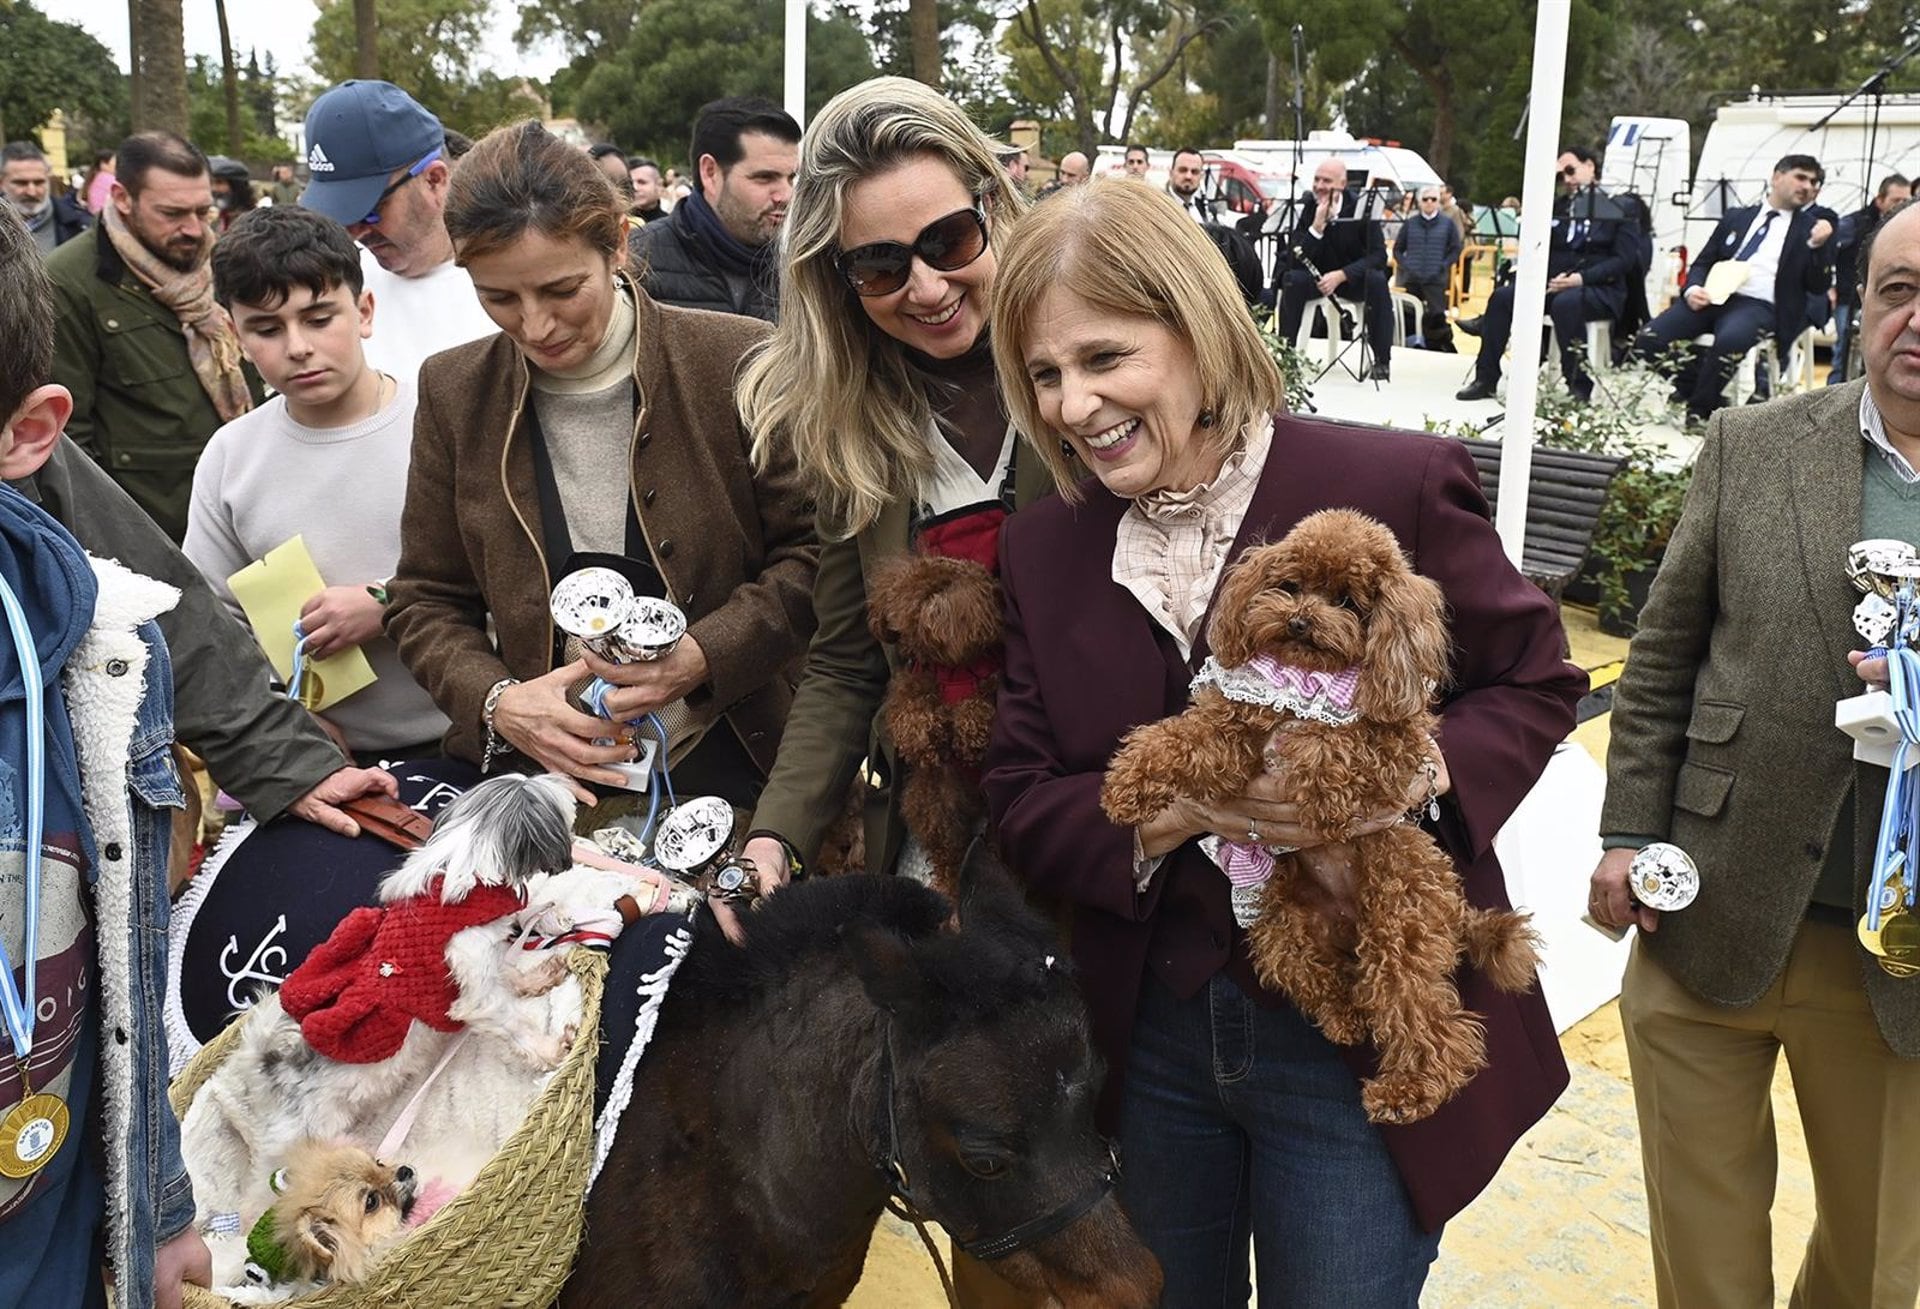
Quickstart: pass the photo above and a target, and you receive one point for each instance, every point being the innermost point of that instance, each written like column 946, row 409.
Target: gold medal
column 1900, row 936
column 31, row 1134
column 1870, row 938
column 1895, row 968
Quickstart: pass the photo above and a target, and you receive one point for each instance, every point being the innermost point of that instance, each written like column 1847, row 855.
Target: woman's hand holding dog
column 1265, row 814
column 537, row 719
column 645, row 686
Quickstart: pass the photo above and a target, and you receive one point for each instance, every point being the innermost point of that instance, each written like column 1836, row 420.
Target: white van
column 1385, row 167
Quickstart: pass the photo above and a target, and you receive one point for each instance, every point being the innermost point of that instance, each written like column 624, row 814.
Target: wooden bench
column 1568, row 489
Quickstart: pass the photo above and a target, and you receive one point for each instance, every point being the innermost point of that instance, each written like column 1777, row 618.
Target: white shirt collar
column 1873, row 428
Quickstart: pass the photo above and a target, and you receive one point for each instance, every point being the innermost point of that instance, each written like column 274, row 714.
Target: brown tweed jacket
column 736, row 547
column 1723, row 735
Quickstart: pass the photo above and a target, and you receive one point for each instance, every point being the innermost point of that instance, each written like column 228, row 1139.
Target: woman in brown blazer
column 878, row 382
column 597, row 427
column 1120, row 335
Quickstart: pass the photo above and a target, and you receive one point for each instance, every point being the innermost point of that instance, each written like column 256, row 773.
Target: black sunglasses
column 373, row 218
column 946, row 244
column 1569, row 170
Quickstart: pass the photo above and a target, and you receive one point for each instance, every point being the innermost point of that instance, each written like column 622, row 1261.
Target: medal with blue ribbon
column 32, row 1131
column 1890, row 929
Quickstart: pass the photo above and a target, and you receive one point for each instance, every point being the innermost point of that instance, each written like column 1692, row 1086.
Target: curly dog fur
column 1337, row 593
column 943, row 614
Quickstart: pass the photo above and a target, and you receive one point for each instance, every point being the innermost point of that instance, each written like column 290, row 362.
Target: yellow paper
column 1726, row 277
column 272, row 592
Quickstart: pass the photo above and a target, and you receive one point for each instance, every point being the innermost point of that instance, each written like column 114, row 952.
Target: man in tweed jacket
column 1723, row 743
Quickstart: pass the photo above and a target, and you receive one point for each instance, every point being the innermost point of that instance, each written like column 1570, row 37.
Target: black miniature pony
column 853, row 1049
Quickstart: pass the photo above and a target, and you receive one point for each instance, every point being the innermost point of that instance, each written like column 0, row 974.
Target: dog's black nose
column 1299, row 626
column 403, row 1174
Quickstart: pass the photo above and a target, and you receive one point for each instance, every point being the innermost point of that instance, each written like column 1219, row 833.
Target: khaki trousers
column 1702, row 1075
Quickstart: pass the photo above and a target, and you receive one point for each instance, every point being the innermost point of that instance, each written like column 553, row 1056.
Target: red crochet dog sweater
column 360, row 990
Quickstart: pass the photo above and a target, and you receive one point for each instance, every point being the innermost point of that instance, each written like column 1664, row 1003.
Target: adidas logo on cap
column 317, row 161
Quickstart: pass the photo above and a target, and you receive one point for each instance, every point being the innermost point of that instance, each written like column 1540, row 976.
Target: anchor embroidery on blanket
column 265, row 957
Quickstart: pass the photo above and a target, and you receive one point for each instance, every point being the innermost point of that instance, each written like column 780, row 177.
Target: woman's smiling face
column 1124, row 391
column 939, row 314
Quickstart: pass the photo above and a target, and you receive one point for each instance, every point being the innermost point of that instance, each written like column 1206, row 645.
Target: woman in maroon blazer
column 1120, row 338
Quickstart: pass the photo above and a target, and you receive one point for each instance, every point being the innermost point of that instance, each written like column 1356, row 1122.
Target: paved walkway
column 1564, row 1225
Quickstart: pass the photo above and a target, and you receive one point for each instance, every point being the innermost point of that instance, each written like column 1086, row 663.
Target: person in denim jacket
column 114, row 1190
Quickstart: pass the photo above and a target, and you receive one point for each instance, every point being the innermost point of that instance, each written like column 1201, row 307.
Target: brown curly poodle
column 943, row 615
column 1335, row 596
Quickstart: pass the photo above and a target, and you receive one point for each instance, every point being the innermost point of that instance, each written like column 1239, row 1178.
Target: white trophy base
column 1869, row 720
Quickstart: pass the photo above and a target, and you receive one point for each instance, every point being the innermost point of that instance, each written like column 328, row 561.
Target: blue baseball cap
column 357, row 134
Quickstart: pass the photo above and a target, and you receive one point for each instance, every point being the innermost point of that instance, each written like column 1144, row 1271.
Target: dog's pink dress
column 360, row 990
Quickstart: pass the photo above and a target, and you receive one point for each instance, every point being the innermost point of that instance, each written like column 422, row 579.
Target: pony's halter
column 901, row 1201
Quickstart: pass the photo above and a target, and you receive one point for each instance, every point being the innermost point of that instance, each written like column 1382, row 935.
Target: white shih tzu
column 366, row 1020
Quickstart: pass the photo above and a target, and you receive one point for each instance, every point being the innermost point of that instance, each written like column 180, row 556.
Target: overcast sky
column 282, row 26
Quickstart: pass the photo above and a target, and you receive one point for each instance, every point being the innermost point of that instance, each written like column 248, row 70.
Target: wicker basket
column 509, row 1239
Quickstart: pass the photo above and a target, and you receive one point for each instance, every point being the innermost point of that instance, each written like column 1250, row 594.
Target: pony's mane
column 1002, row 954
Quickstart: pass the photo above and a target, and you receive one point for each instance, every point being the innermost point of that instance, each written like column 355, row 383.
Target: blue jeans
column 1243, row 1121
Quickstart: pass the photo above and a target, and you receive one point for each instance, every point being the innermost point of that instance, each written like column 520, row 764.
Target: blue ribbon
column 296, row 680
column 1893, row 855
column 660, row 779
column 19, row 1004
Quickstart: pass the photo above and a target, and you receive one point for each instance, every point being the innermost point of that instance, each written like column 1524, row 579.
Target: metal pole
column 797, row 60
column 1530, row 285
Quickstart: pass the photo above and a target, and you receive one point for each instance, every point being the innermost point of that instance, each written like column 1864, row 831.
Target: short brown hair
column 523, row 177
column 26, row 316
column 1130, row 251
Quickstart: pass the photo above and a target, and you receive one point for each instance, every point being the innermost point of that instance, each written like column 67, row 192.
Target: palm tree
column 366, row 30
column 229, row 79
column 923, row 24
column 157, row 47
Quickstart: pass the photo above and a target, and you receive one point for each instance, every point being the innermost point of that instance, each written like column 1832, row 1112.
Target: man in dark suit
column 1783, row 247
column 1723, row 744
column 1336, row 249
column 1894, row 190
column 1590, row 260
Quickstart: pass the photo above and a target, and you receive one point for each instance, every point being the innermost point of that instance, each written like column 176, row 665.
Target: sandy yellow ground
column 1564, row 1225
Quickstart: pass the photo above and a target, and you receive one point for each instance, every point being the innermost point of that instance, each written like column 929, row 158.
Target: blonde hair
column 1133, row 252
column 833, row 387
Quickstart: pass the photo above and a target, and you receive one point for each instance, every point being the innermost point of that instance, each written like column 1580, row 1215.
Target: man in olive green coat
column 151, row 383
column 1723, row 743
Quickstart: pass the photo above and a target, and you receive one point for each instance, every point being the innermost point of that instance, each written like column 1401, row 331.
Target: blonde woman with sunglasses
column 879, row 383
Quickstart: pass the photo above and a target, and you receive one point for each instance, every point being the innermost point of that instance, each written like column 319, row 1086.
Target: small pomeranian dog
column 340, row 1210
column 1327, row 647
column 363, row 1022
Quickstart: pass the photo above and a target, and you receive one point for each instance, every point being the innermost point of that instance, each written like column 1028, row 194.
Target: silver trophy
column 695, row 843
column 598, row 606
column 1664, row 877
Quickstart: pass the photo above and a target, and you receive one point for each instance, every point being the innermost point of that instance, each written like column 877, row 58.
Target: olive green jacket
column 138, row 407
column 1722, row 737
column 835, row 723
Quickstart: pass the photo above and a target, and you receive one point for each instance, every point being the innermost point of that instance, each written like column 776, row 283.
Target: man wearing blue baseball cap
column 378, row 165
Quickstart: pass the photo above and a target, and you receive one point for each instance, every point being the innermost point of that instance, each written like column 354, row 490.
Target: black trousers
column 1737, row 326
column 1298, row 286
column 1571, row 310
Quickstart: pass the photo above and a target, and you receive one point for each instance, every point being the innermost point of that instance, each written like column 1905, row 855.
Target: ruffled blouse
column 1172, row 546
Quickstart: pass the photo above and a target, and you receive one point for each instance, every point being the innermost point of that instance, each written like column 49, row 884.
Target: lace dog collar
column 1263, row 680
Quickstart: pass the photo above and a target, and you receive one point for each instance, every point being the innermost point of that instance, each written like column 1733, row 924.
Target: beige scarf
column 212, row 344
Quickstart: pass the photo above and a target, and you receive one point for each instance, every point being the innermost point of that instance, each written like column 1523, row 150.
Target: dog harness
column 358, row 993
column 1302, row 692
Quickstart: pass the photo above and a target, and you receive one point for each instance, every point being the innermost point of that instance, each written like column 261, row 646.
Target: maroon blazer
column 1085, row 664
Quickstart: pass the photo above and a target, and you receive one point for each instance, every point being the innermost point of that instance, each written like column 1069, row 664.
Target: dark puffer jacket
column 1426, row 248
column 677, row 266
